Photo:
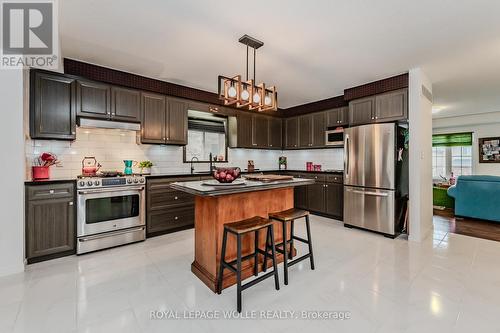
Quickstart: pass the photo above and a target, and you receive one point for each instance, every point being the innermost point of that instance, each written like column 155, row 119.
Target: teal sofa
column 477, row 197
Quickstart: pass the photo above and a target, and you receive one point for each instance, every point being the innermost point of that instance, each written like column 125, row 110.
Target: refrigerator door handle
column 346, row 156
column 375, row 194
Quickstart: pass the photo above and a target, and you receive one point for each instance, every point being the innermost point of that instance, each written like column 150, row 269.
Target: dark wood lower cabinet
column 300, row 197
column 316, row 197
column 334, row 200
column 325, row 197
column 50, row 221
column 168, row 210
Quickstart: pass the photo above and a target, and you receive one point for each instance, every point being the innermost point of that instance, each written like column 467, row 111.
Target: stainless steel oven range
column 110, row 212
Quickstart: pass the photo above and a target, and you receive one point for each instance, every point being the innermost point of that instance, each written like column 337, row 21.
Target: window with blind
column 205, row 137
column 451, row 153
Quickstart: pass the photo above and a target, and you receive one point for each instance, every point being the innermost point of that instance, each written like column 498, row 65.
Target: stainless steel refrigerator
column 373, row 173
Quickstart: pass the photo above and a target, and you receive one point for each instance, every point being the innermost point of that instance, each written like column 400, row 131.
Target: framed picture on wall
column 489, row 150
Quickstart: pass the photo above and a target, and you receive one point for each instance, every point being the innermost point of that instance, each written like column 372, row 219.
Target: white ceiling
column 313, row 49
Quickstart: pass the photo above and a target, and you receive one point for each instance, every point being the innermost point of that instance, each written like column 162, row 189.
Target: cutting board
column 267, row 178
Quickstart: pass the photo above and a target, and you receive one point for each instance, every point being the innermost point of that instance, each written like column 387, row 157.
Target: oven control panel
column 96, row 182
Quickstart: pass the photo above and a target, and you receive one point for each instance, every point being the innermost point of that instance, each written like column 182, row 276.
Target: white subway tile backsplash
column 111, row 147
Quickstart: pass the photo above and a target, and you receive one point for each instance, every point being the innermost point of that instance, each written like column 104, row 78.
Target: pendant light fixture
column 246, row 94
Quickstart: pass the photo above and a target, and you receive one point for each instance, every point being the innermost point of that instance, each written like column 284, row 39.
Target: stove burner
column 103, row 174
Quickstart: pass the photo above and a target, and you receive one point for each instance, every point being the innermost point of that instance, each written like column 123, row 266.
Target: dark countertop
column 197, row 187
column 336, row 172
column 179, row 174
column 49, row 181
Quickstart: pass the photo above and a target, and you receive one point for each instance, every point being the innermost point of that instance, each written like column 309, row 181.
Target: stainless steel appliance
column 110, row 211
column 374, row 193
column 334, row 137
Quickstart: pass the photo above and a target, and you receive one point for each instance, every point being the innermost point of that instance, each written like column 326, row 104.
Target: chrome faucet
column 192, row 167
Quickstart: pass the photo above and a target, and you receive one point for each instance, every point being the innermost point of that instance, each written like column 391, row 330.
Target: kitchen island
column 217, row 205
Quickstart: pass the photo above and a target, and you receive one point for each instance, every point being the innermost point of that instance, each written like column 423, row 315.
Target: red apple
column 222, row 174
column 229, row 178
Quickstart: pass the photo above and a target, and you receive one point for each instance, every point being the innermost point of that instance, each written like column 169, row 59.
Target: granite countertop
column 197, row 187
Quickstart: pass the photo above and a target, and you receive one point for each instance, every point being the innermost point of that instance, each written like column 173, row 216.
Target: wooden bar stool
column 240, row 228
column 290, row 215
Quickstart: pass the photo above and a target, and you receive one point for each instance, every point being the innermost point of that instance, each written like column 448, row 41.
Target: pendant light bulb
column 245, row 94
column 231, row 92
column 268, row 100
column 256, row 98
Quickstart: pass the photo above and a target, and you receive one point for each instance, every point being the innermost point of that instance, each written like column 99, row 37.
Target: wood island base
column 212, row 212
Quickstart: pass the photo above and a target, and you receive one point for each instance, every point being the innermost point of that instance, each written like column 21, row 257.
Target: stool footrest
column 300, row 239
column 257, row 280
column 299, row 259
column 231, row 264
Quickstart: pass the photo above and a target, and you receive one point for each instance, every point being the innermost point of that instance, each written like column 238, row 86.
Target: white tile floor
column 449, row 283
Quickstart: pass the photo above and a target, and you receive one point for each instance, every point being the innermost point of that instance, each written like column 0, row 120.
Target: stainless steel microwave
column 334, row 137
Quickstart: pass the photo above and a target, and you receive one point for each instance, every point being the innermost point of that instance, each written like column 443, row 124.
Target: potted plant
column 145, row 167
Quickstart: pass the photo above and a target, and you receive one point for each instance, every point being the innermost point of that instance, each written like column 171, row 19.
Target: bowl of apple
column 226, row 175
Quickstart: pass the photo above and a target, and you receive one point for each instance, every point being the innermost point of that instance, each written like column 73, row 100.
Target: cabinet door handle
column 326, row 185
column 176, row 218
column 51, row 191
column 70, row 203
column 113, row 113
column 175, row 198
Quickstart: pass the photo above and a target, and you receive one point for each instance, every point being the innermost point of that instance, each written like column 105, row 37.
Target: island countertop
column 198, row 188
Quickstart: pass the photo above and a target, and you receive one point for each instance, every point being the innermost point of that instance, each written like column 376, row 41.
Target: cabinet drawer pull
column 176, row 218
column 51, row 191
column 70, row 203
column 175, row 198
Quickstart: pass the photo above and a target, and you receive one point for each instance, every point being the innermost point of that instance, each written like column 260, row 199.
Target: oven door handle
column 110, row 234
column 112, row 189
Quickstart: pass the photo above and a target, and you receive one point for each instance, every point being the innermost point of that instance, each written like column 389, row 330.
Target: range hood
column 96, row 123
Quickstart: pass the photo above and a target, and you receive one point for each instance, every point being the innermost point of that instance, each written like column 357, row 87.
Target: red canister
column 40, row 172
column 309, row 166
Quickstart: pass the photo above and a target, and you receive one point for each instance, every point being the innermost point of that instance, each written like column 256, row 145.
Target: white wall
column 420, row 157
column 111, row 147
column 482, row 126
column 12, row 194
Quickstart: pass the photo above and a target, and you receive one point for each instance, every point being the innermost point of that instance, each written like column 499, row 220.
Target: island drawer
column 163, row 221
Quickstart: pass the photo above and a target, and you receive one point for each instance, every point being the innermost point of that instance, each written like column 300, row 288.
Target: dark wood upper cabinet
column 50, row 221
column 275, row 133
column 93, row 99
column 318, row 129
column 362, row 111
column 334, row 199
column 177, row 119
column 52, row 106
column 154, row 118
column 292, row 132
column 337, row 117
column 244, row 131
column 260, row 131
column 305, row 131
column 391, row 106
column 126, row 104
